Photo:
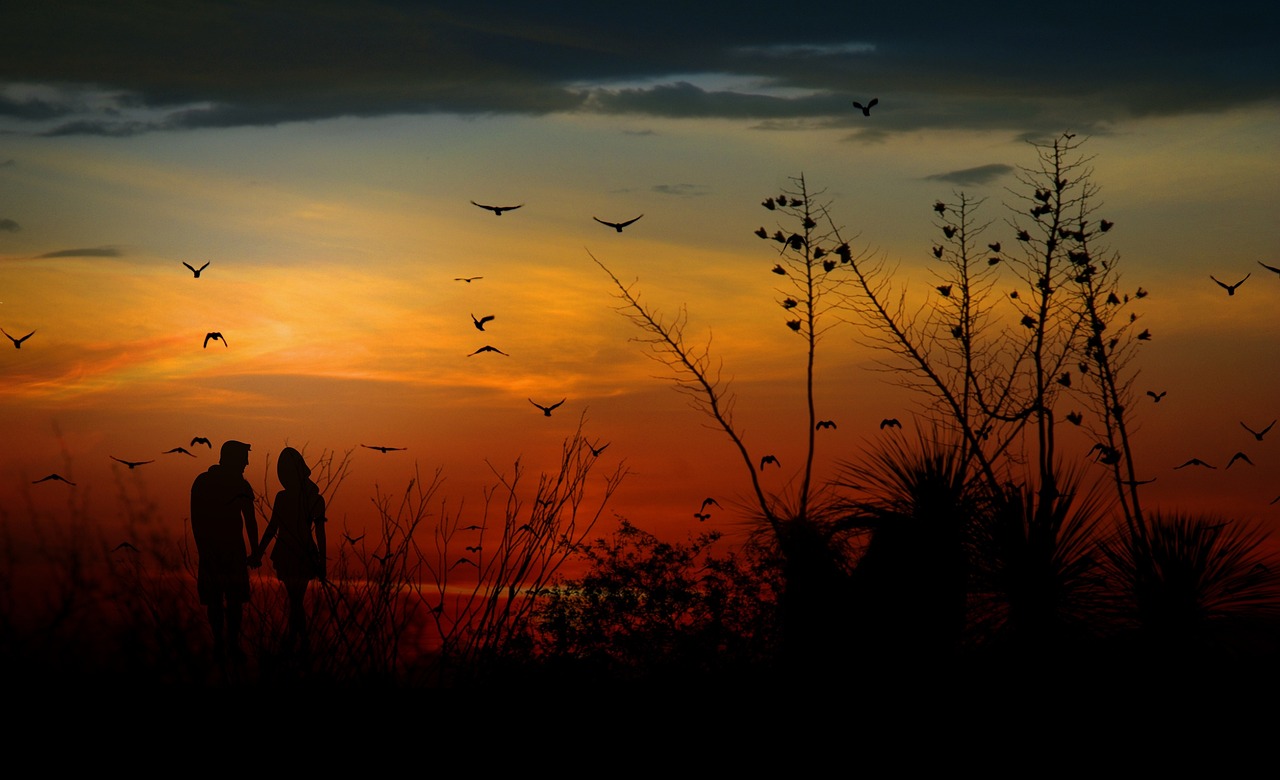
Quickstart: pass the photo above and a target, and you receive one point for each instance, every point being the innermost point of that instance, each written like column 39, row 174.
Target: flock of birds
column 701, row 514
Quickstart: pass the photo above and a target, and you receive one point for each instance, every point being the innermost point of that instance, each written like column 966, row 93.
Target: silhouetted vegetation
column 973, row 542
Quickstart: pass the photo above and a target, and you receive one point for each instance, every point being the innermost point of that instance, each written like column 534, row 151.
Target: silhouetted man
column 221, row 513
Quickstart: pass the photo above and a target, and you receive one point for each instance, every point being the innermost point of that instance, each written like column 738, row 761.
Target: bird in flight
column 201, row 440
column 824, row 424
column 473, row 548
column 890, row 422
column 702, row 516
column 1194, row 462
column 352, row 539
column 866, row 110
column 182, row 450
column 1075, row 418
column 1270, row 268
column 595, row 451
column 17, row 343
column 384, row 450
column 479, row 323
column 1239, row 456
column 1230, row 288
column 461, row 561
column 497, row 210
column 1258, row 434
column 55, row 478
column 487, row 348
column 708, row 501
column 124, row 546
column 214, row 336
column 467, row 279
column 1157, row 396
column 546, row 410
column 618, row 226
column 194, row 270
column 767, row 459
column 131, row 463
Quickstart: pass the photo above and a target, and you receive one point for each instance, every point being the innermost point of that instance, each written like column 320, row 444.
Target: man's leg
column 217, row 622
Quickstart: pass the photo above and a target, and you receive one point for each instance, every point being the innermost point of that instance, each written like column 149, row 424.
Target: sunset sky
column 322, row 157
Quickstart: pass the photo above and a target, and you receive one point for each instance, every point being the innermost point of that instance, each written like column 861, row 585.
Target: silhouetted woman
column 297, row 526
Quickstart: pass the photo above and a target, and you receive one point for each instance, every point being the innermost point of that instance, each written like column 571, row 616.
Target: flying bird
column 497, row 210
column 124, row 546
column 596, row 451
column 546, row 410
column 487, row 348
column 1106, row 225
column 201, row 440
column 473, row 548
column 461, row 561
column 618, row 226
column 767, row 459
column 1194, row 462
column 182, row 450
column 708, row 501
column 17, row 343
column 55, row 478
column 1230, row 288
column 467, row 279
column 1258, row 434
column 479, row 323
column 1270, row 268
column 1075, row 418
column 194, row 270
column 352, row 539
column 1239, row 456
column 214, row 336
column 702, row 516
column 890, row 422
column 866, row 110
column 824, row 424
column 1157, row 396
column 384, row 450
column 131, row 463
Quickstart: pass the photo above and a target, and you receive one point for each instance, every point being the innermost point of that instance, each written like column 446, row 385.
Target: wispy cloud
column 681, row 190
column 100, row 251
column 982, row 174
column 9, row 225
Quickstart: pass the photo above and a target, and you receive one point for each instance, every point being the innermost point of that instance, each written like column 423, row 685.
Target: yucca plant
column 1194, row 585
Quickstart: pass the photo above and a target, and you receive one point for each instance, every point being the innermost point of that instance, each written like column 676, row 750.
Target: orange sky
column 334, row 244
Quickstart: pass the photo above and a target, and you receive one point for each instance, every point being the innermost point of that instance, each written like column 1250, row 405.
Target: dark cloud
column 201, row 63
column 982, row 174
column 101, row 251
column 9, row 225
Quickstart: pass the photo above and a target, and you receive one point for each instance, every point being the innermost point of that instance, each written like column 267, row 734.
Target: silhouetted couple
column 222, row 513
